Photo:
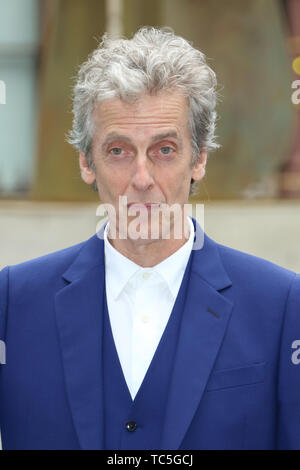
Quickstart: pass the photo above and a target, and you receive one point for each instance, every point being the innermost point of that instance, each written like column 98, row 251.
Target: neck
column 148, row 253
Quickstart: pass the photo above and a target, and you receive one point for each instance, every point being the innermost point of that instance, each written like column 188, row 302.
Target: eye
column 166, row 150
column 116, row 151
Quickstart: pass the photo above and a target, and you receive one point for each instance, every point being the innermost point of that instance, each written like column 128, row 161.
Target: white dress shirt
column 140, row 301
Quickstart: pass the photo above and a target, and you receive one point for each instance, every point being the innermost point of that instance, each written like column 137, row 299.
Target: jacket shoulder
column 43, row 270
column 236, row 260
column 58, row 260
column 257, row 278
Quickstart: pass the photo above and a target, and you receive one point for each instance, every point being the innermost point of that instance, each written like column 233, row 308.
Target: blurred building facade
column 19, row 40
column 42, row 43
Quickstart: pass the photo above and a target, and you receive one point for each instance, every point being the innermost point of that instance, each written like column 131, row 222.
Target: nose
column 142, row 179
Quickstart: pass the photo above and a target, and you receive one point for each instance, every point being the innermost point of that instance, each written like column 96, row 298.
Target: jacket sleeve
column 3, row 307
column 3, row 313
column 288, row 392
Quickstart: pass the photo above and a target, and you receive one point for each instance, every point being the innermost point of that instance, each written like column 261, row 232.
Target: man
column 149, row 342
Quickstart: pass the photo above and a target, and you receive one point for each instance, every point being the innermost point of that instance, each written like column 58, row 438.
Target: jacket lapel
column 79, row 307
column 205, row 318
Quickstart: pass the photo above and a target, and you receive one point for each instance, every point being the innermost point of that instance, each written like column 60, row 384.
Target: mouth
column 147, row 205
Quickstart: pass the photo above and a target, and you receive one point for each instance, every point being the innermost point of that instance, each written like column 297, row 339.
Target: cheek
column 177, row 180
column 175, row 187
column 111, row 182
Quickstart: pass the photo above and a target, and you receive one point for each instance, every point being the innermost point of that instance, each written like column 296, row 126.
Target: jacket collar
column 206, row 260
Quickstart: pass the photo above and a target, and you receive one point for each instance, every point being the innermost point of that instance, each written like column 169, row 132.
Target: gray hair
column 153, row 60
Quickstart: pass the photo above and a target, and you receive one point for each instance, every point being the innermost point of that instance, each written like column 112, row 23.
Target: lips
column 143, row 205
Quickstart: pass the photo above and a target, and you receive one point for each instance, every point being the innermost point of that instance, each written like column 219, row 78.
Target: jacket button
column 131, row 426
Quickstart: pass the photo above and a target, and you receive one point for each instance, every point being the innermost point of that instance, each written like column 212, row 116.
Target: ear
column 87, row 174
column 199, row 169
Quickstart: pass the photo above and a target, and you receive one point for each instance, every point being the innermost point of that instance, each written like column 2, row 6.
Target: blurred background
column 251, row 190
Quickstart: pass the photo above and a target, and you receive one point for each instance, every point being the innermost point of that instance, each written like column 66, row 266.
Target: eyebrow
column 166, row 135
column 115, row 136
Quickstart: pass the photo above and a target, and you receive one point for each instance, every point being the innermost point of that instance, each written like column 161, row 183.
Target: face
column 143, row 151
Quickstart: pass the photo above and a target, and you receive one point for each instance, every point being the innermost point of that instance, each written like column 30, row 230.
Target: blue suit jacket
column 236, row 378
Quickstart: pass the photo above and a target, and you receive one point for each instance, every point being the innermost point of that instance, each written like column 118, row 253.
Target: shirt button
column 131, row 426
column 146, row 276
column 145, row 318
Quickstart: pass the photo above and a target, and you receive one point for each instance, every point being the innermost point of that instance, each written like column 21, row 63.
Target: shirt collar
column 119, row 269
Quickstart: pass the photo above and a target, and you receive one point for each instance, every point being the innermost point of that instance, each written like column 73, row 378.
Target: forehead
column 150, row 112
